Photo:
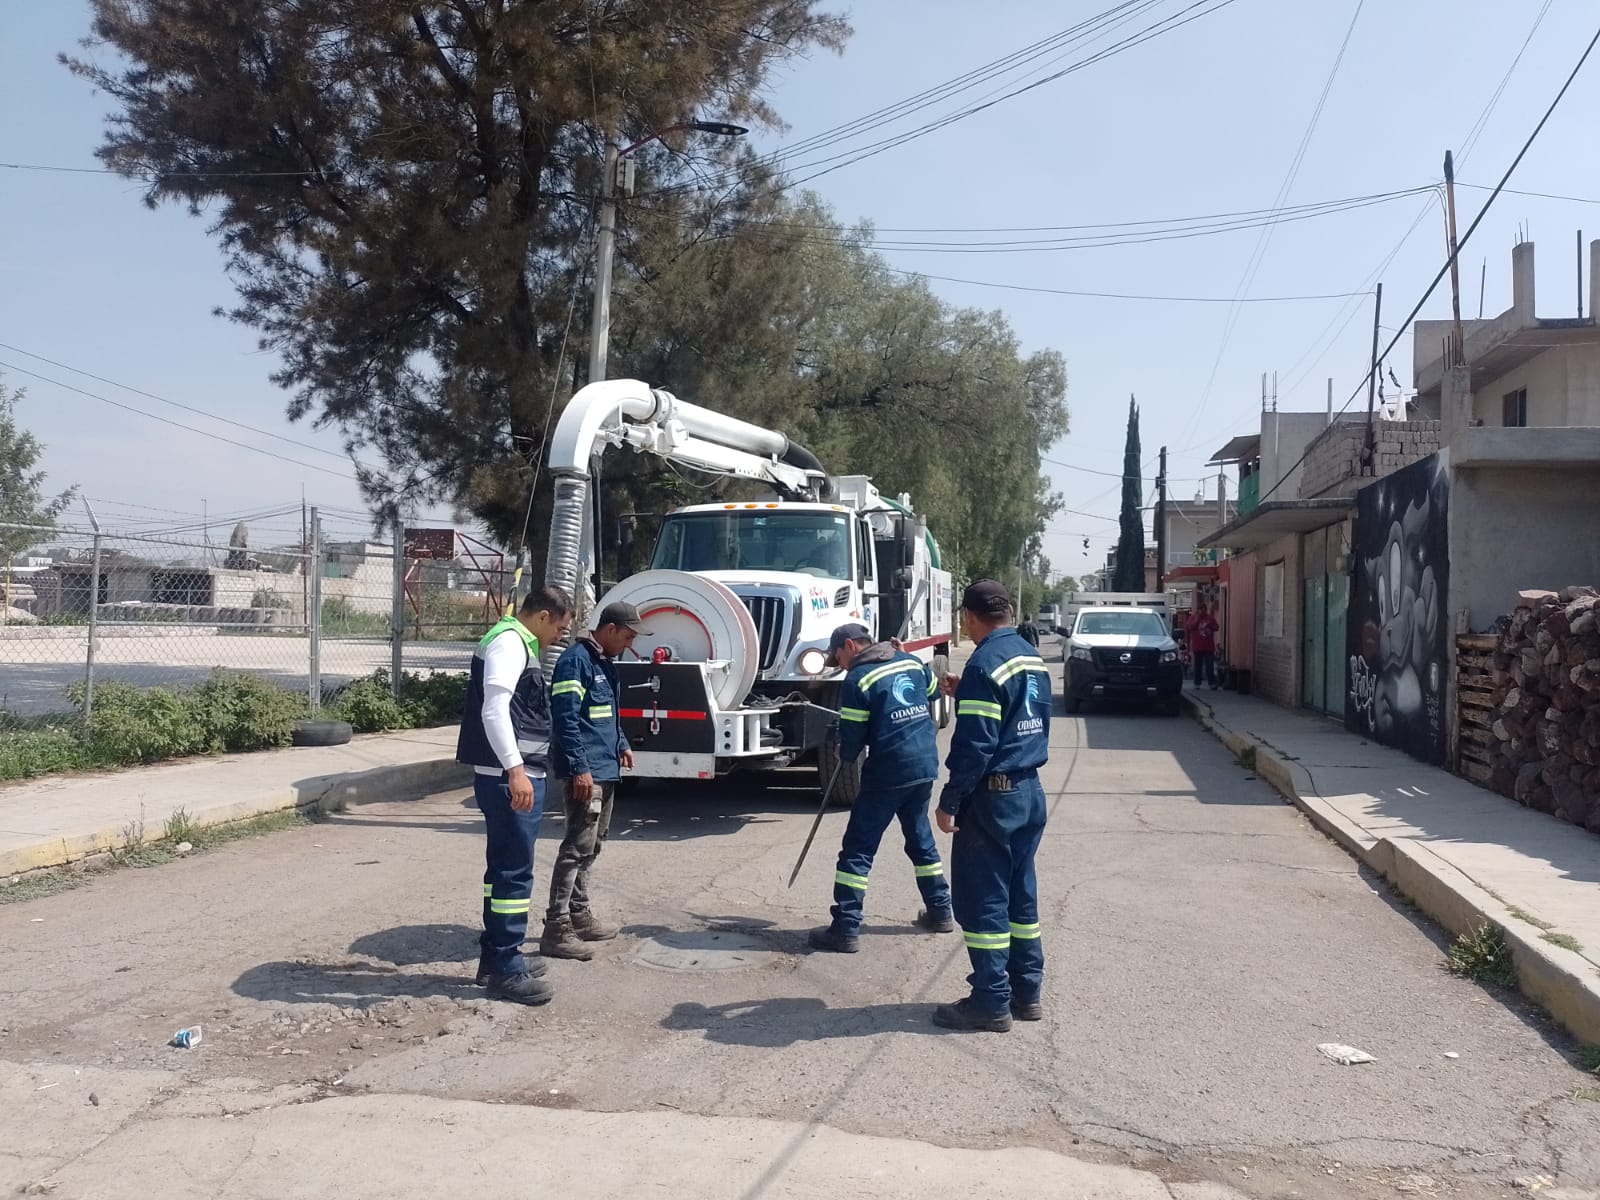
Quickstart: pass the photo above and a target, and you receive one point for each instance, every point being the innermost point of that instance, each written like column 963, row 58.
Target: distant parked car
column 1122, row 653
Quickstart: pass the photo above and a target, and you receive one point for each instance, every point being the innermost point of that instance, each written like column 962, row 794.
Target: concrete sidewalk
column 1465, row 855
column 59, row 820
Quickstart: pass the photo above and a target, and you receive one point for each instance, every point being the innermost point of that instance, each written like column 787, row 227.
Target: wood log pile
column 1530, row 705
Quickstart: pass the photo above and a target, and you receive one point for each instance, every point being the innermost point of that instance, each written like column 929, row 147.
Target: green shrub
column 239, row 712
column 1484, row 956
column 369, row 705
column 341, row 619
column 140, row 725
column 26, row 753
column 441, row 697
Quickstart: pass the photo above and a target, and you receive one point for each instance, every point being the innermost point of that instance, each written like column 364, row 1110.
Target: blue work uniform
column 508, row 854
column 885, row 711
column 583, row 707
column 1001, row 739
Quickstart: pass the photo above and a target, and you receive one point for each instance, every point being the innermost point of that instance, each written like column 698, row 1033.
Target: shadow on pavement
column 786, row 1021
column 413, row 945
column 352, row 984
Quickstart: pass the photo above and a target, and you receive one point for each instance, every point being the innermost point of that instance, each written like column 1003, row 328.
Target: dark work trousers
column 995, row 893
column 585, row 838
column 869, row 819
column 508, row 872
column 1205, row 664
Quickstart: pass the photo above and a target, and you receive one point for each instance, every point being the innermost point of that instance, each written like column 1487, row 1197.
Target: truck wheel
column 1072, row 702
column 848, row 786
column 945, row 709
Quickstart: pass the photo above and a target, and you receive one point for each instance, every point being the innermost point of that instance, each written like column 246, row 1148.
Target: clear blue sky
column 1206, row 120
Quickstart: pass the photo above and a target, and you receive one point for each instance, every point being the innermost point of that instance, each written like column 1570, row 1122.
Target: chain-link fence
column 83, row 606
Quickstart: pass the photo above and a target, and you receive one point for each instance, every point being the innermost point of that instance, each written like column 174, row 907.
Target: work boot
column 940, row 921
column 533, row 967
column 521, row 988
column 1027, row 1010
column 591, row 928
column 963, row 1015
column 561, row 940
column 826, row 937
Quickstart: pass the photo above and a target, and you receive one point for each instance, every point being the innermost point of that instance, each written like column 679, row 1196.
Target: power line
column 1020, row 287
column 1456, row 254
column 176, row 424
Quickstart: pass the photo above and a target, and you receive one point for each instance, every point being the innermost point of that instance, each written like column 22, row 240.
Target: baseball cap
column 623, row 614
column 851, row 632
column 987, row 598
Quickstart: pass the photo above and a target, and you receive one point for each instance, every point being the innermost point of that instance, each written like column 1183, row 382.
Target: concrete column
column 1522, row 282
column 1594, row 281
column 1455, row 403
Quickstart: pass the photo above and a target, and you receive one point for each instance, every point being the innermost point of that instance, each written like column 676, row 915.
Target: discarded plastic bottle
column 186, row 1039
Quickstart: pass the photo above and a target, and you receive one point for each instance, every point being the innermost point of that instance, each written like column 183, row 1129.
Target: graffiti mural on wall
column 1397, row 632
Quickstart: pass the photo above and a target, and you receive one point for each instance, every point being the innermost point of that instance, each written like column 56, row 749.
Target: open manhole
column 702, row 950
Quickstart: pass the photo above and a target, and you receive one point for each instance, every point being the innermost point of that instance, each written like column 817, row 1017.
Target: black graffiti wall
column 1398, row 633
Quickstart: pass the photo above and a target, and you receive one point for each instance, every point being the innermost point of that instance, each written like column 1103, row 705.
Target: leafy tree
column 1089, row 583
column 402, row 190
column 1129, row 573
column 22, row 498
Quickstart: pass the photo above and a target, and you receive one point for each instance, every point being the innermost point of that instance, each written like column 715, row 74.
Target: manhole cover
column 702, row 950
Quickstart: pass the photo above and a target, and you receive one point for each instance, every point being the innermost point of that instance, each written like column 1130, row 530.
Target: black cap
column 852, row 632
column 621, row 614
column 987, row 598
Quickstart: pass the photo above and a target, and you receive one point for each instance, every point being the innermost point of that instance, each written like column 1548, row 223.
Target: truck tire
column 321, row 733
column 848, row 786
column 946, row 706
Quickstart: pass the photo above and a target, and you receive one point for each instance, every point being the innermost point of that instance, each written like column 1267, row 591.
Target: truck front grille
column 1139, row 660
column 772, row 617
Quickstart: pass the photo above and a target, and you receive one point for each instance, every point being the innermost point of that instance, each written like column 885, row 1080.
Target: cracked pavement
column 1202, row 939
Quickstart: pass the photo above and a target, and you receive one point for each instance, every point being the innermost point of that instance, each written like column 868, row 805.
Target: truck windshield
column 1128, row 624
column 807, row 543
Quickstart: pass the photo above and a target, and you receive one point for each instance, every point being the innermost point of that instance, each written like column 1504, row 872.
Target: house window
column 1514, row 409
column 1272, row 600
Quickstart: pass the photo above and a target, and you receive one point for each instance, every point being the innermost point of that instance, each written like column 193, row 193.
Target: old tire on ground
column 946, row 705
column 848, row 786
column 321, row 733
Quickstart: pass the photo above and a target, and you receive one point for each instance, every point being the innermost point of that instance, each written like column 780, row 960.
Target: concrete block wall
column 1333, row 461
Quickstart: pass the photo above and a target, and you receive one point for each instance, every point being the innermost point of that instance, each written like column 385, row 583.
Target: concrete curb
column 1561, row 981
column 321, row 793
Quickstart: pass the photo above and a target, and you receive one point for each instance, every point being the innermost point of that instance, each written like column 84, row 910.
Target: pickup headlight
column 812, row 662
column 1169, row 656
column 1081, row 653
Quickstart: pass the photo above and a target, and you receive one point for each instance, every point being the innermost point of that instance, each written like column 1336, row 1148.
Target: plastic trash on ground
column 1345, row 1056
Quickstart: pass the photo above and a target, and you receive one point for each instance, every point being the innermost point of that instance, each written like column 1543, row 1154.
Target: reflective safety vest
column 530, row 706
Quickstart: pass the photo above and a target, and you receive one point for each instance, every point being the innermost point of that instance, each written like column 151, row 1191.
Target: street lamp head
column 719, row 128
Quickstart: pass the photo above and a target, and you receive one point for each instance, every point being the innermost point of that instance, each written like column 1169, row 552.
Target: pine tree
column 1129, row 573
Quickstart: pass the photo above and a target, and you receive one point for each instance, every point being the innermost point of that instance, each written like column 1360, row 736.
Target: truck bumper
column 1085, row 681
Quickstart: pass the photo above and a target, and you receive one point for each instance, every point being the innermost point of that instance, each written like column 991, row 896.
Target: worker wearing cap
column 994, row 805
column 885, row 711
column 588, row 754
column 505, row 737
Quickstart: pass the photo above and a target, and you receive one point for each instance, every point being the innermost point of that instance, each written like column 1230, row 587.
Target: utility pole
column 605, row 249
column 1161, row 524
column 1372, row 377
column 1458, row 341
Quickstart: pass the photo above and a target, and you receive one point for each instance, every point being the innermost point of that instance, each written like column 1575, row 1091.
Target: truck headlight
column 1081, row 653
column 1169, row 656
column 812, row 662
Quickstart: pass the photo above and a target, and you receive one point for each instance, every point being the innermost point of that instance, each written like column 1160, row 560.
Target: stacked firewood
column 1543, row 714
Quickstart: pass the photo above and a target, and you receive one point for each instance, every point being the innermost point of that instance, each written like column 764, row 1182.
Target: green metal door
column 1314, row 637
column 1335, row 682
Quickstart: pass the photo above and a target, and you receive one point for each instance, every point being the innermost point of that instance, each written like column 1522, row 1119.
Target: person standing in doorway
column 588, row 755
column 1202, row 634
column 505, row 737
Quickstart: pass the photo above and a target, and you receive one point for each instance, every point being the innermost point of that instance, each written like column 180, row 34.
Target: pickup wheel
column 1073, row 704
column 848, row 786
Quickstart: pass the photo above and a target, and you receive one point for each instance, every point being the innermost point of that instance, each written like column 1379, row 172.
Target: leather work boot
column 964, row 1017
column 533, row 967
column 937, row 922
column 825, row 937
column 561, row 940
column 591, row 928
column 1027, row 1010
column 520, row 989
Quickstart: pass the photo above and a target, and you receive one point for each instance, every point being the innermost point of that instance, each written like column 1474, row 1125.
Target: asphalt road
column 1202, row 940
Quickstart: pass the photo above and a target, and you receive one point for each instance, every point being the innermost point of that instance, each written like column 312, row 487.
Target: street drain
column 702, row 950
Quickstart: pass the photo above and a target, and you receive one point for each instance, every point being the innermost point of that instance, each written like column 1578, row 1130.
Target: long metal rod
column 1372, row 383
column 827, row 794
column 397, row 608
column 1458, row 347
column 314, row 618
column 94, row 619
